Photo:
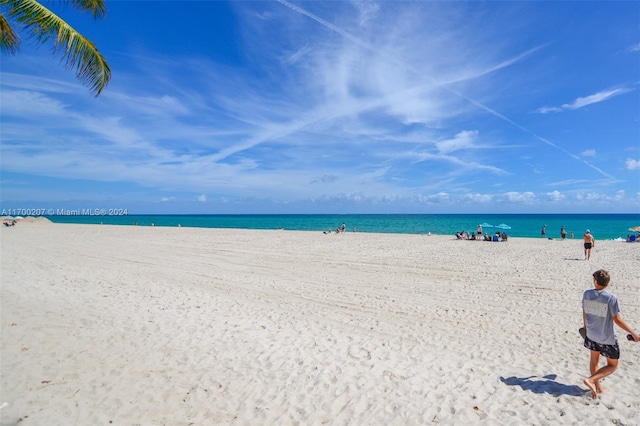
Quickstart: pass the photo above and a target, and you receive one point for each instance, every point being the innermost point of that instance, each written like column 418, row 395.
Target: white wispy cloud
column 568, row 182
column 634, row 48
column 463, row 140
column 582, row 102
column 595, row 98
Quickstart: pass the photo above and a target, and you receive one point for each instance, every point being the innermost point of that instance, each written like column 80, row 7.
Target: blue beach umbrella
column 486, row 225
column 503, row 226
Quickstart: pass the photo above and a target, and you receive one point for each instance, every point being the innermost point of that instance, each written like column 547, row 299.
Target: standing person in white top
column 600, row 310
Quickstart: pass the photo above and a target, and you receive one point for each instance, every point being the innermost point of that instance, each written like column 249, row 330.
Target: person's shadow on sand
column 545, row 385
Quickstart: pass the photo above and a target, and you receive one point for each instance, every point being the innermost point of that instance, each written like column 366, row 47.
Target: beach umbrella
column 486, row 225
column 503, row 226
column 635, row 229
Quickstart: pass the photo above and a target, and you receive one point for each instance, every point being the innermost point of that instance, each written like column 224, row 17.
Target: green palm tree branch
column 80, row 53
column 9, row 40
column 96, row 7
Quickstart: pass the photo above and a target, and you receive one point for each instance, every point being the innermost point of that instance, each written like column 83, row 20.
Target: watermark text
column 64, row 212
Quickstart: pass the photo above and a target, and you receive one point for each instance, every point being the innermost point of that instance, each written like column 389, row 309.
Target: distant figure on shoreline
column 479, row 231
column 544, row 231
column 563, row 233
column 589, row 243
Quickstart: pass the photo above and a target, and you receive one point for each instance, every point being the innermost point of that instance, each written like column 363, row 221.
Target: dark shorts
column 609, row 351
column 587, row 245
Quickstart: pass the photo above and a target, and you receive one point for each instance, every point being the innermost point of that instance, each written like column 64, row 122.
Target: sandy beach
column 183, row 326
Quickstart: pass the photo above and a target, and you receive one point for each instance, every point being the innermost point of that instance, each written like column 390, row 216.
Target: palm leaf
column 9, row 40
column 96, row 7
column 80, row 53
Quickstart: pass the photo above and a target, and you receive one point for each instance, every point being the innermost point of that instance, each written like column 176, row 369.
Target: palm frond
column 80, row 53
column 96, row 7
column 9, row 40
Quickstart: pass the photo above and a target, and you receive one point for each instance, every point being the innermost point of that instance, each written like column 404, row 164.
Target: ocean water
column 602, row 226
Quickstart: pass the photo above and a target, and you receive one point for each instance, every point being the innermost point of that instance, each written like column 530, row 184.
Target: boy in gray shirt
column 600, row 310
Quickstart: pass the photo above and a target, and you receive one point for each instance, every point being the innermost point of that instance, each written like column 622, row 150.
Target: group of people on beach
column 633, row 238
column 463, row 235
column 479, row 236
column 339, row 229
column 563, row 232
column 589, row 241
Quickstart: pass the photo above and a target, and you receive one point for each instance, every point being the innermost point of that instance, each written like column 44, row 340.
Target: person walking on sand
column 589, row 243
column 600, row 310
column 544, row 231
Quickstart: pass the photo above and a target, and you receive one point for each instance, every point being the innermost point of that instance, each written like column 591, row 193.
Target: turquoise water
column 602, row 226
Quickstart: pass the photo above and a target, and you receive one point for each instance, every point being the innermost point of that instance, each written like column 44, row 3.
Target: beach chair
column 632, row 239
column 495, row 238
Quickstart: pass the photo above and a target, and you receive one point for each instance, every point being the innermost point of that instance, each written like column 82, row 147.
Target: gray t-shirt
column 600, row 307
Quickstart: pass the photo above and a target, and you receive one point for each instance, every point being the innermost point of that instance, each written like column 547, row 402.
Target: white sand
column 179, row 326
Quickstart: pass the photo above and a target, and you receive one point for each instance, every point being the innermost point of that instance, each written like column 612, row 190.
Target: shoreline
column 605, row 227
column 44, row 220
column 159, row 326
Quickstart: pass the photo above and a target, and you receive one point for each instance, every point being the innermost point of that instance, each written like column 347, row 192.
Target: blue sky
column 333, row 107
